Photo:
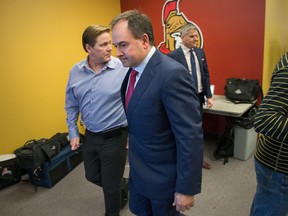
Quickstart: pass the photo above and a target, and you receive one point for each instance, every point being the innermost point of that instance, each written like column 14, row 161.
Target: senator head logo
column 172, row 21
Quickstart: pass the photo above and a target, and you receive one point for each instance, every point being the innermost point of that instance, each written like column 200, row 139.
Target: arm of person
column 72, row 115
column 206, row 78
column 183, row 109
column 271, row 117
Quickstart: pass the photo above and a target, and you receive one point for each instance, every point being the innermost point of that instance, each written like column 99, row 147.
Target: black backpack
column 225, row 146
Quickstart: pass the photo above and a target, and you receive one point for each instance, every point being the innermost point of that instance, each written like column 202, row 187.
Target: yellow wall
column 276, row 37
column 40, row 41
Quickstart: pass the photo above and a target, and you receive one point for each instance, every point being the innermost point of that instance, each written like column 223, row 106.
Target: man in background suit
column 164, row 121
column 189, row 36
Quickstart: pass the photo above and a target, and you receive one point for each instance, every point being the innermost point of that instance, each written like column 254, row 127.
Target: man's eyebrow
column 120, row 43
column 106, row 42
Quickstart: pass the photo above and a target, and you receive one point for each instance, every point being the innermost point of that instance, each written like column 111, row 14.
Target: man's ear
column 87, row 47
column 145, row 40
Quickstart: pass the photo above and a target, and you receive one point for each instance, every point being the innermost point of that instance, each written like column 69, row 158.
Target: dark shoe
column 124, row 192
column 206, row 165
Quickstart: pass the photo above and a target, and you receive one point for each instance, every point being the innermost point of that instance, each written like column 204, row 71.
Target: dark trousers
column 104, row 156
column 144, row 206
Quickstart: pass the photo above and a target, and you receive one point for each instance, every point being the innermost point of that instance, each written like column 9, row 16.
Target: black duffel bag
column 241, row 90
column 62, row 138
column 36, row 152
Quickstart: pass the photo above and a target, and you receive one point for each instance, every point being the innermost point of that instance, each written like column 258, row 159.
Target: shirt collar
column 110, row 64
column 185, row 49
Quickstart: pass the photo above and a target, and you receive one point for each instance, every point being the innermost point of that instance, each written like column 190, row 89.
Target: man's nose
column 109, row 47
column 119, row 52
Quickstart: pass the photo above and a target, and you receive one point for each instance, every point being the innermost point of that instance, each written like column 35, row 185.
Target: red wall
column 233, row 33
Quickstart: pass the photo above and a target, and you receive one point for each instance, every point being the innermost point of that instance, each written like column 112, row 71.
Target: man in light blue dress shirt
column 93, row 91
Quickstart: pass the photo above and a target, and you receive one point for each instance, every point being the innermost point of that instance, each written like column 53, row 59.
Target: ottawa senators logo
column 172, row 21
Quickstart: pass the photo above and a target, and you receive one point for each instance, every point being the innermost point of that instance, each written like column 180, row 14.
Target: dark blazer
column 178, row 55
column 165, row 130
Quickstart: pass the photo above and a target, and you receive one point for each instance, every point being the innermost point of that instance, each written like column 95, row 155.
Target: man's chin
column 125, row 63
column 108, row 58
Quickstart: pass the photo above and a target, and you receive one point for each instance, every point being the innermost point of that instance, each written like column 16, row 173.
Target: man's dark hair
column 138, row 24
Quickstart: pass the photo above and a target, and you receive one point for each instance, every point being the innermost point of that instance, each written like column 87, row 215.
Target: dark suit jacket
column 165, row 130
column 178, row 55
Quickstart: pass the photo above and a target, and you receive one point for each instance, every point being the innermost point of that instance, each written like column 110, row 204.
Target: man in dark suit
column 199, row 70
column 164, row 120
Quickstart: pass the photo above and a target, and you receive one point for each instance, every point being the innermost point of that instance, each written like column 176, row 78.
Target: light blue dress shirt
column 96, row 96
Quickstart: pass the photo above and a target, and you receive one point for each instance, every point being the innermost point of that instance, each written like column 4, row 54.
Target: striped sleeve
column 271, row 119
column 272, row 123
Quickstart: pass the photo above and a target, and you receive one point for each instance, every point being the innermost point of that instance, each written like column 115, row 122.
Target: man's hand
column 209, row 103
column 74, row 143
column 183, row 202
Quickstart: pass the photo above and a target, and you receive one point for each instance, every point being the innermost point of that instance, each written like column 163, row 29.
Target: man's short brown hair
column 91, row 33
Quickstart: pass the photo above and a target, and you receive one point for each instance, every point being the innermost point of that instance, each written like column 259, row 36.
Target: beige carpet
column 227, row 190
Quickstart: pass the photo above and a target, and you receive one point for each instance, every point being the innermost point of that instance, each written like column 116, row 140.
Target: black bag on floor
column 62, row 138
column 36, row 152
column 10, row 172
column 51, row 172
column 225, row 146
